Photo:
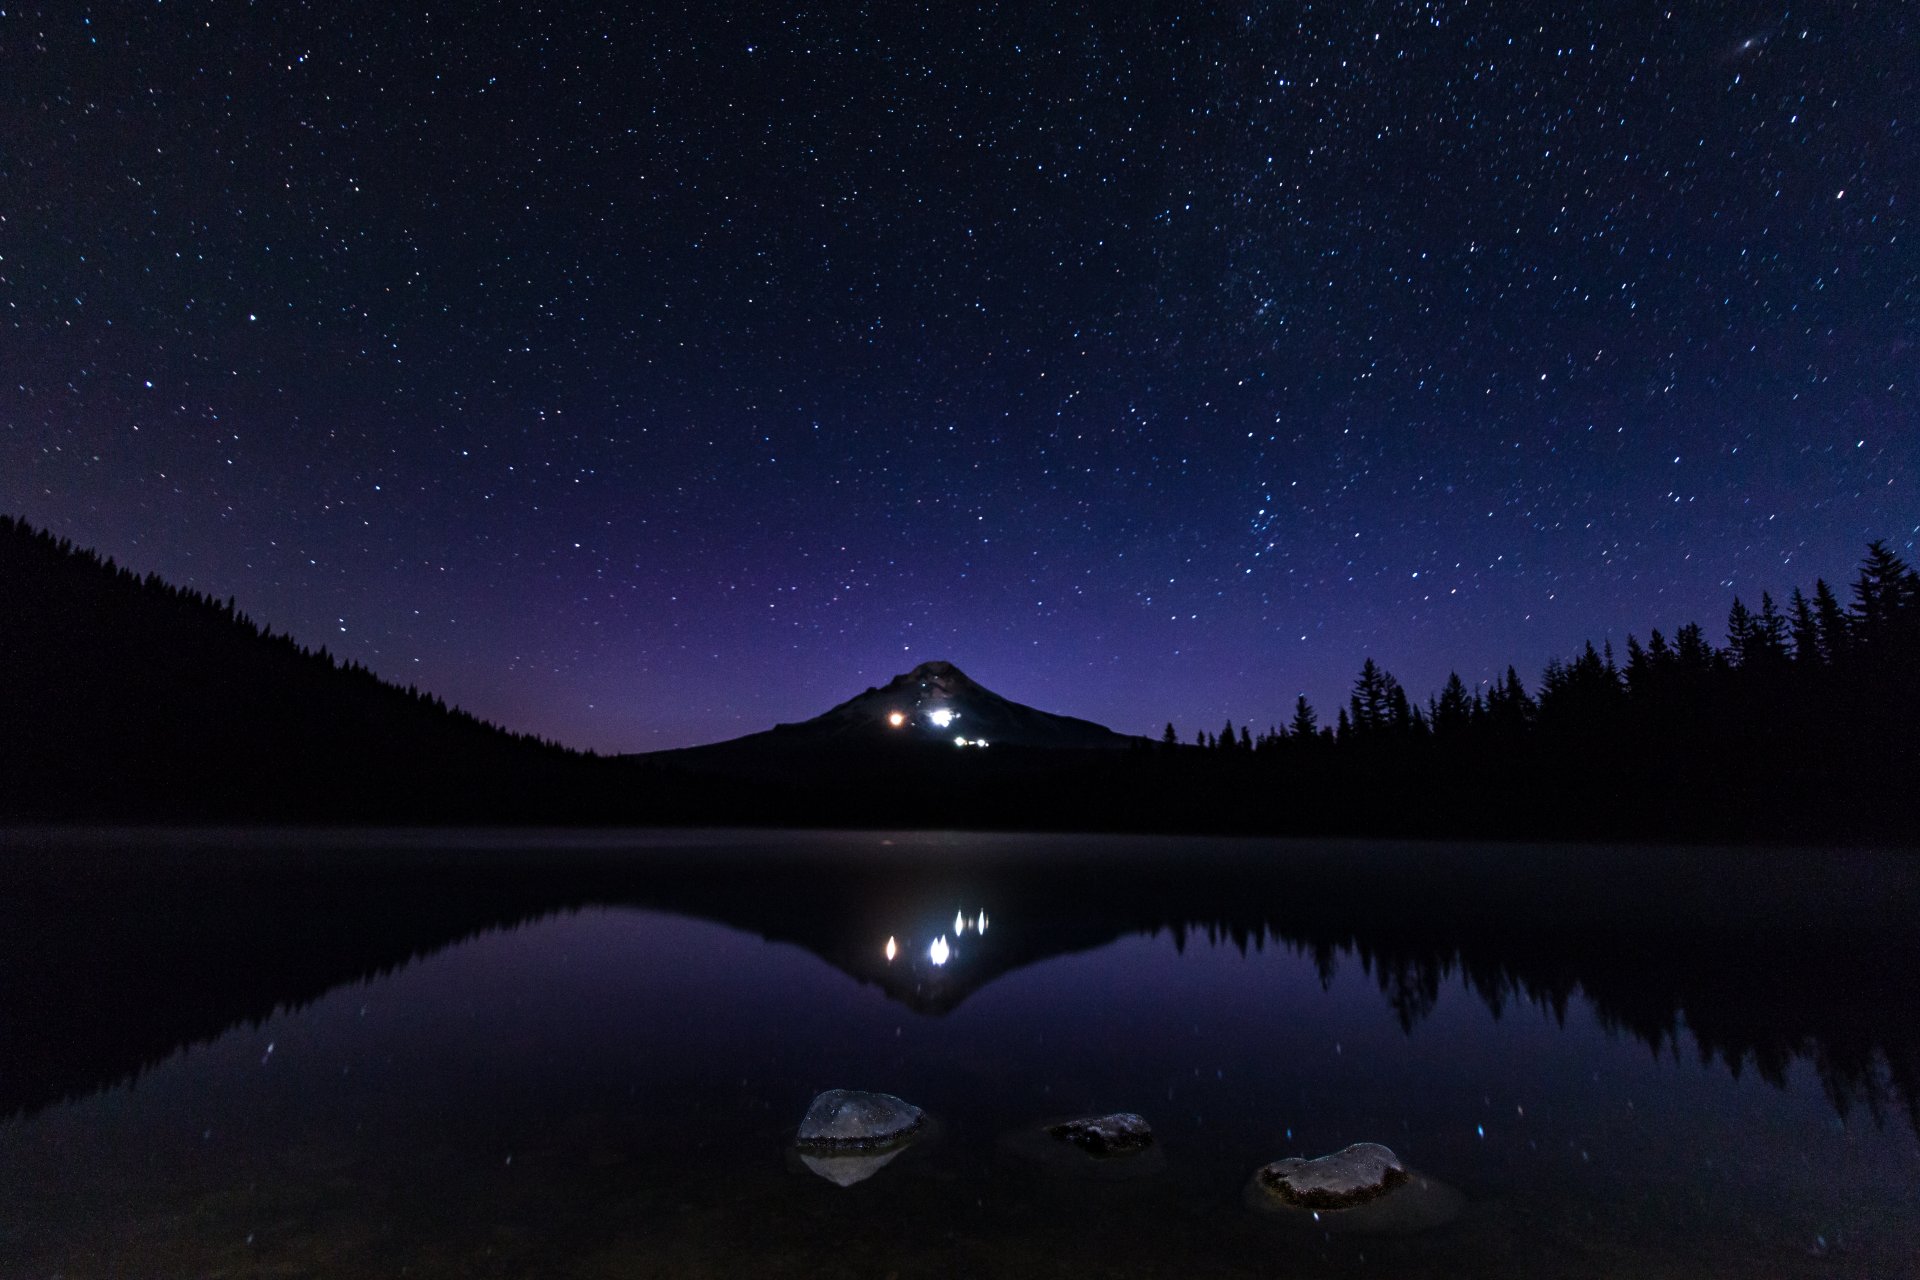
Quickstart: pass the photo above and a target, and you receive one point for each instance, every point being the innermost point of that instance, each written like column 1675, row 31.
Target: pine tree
column 1691, row 650
column 1770, row 631
column 1806, row 632
column 1371, row 704
column 1170, row 738
column 1639, row 667
column 1836, row 630
column 1740, row 633
column 1878, row 594
column 1305, row 722
column 1400, row 716
column 1452, row 711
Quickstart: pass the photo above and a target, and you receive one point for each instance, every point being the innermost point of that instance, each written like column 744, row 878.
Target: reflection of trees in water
column 1841, row 1013
column 102, row 985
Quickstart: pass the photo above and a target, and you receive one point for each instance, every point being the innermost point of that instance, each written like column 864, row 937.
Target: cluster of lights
column 940, row 950
column 939, row 718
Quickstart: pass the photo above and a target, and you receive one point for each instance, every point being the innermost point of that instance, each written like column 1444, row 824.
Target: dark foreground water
column 576, row 1056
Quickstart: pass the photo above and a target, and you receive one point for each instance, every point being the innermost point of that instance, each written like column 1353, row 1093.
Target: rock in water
column 1344, row 1180
column 1364, row 1190
column 845, row 1121
column 1121, row 1134
column 845, row 1170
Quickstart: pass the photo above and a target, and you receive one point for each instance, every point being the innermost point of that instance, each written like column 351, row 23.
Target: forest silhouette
column 130, row 699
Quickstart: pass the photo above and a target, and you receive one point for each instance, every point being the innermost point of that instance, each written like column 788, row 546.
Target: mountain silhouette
column 935, row 704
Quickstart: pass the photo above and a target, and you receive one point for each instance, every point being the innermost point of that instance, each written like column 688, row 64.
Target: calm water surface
column 585, row 1057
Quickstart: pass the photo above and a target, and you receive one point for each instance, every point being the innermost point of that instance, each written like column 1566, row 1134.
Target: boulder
column 1363, row 1190
column 1121, row 1134
column 848, row 1136
column 1344, row 1180
column 844, row 1121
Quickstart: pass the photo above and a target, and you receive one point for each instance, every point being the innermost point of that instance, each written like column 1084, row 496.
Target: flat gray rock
column 1121, row 1134
column 1344, row 1180
column 845, row 1121
column 1363, row 1190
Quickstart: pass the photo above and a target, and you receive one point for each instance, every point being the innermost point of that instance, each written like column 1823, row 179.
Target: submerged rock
column 1121, row 1134
column 848, row 1136
column 845, row 1170
column 1106, row 1148
column 845, row 1121
column 1344, row 1180
column 1362, row 1190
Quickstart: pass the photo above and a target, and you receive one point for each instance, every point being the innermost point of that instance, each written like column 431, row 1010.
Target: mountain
column 935, row 704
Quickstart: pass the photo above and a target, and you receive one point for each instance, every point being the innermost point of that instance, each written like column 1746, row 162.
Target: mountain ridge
column 935, row 703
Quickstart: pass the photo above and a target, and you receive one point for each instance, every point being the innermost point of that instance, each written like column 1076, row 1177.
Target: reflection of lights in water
column 892, row 950
column 939, row 951
column 959, row 923
column 896, row 718
column 943, row 717
column 981, row 923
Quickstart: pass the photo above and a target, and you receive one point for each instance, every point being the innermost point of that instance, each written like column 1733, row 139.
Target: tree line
column 1819, row 697
column 128, row 699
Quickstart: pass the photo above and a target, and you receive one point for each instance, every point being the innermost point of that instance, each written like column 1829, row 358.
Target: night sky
column 642, row 377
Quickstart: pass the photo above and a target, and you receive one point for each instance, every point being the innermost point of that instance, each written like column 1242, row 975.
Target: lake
column 586, row 1054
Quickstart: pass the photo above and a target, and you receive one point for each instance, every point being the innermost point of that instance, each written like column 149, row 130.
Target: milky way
column 641, row 378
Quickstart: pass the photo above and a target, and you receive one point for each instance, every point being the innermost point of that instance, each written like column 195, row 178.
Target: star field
column 640, row 376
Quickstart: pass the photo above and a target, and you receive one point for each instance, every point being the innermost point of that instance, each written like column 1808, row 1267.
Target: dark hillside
column 125, row 698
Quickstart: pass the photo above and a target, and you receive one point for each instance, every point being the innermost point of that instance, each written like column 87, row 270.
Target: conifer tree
column 1691, row 650
column 1806, row 632
column 1740, row 633
column 1836, row 630
column 1305, row 722
column 1770, row 631
column 1371, row 703
column 1878, row 594
column 1638, row 666
column 1452, row 711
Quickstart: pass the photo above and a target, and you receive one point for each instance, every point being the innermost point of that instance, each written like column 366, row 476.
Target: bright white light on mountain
column 892, row 950
column 943, row 717
column 981, row 923
column 979, row 742
column 959, row 742
column 897, row 718
column 939, row 951
column 959, row 923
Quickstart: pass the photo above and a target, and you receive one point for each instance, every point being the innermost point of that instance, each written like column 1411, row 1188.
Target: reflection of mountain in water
column 115, row 957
